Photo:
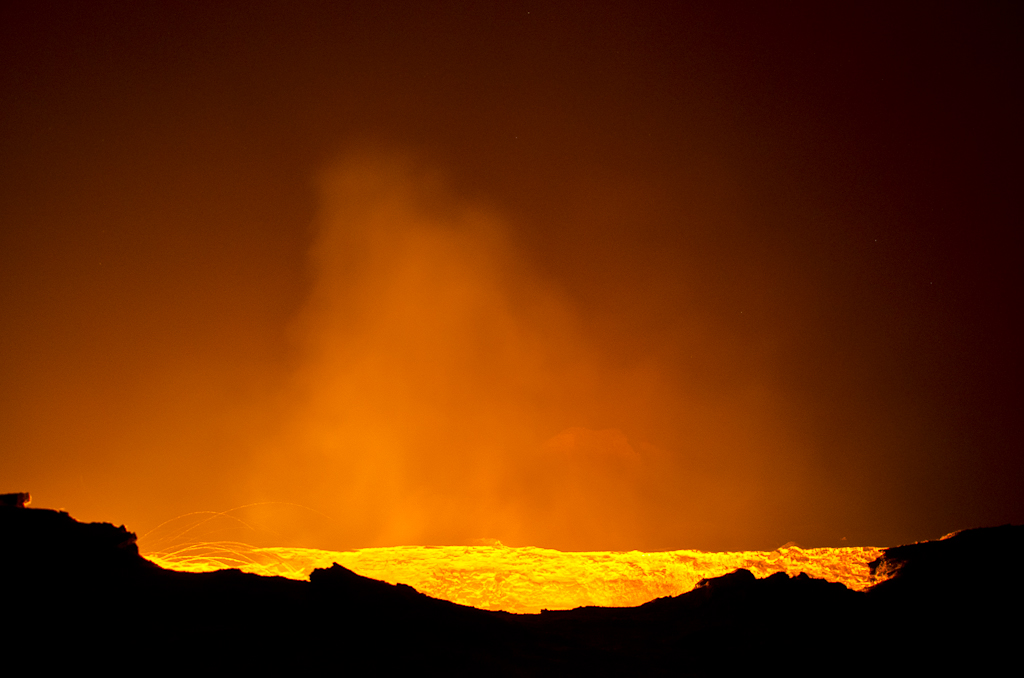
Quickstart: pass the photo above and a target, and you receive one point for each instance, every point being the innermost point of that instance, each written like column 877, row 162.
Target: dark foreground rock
column 79, row 595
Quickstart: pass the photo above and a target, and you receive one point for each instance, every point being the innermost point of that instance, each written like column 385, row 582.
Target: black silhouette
column 79, row 595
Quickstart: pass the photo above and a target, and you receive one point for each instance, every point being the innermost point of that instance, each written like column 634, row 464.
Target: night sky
column 604, row 275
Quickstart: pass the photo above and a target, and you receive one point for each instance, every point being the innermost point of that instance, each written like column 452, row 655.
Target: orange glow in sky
column 614, row 277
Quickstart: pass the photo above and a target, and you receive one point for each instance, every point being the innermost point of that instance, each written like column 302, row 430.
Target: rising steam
column 447, row 392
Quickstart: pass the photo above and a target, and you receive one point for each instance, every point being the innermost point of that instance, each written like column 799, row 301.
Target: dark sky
column 604, row 275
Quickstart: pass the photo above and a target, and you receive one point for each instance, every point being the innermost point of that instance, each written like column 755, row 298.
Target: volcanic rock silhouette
column 79, row 595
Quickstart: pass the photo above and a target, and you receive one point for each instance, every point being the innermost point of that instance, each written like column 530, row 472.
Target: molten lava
column 529, row 579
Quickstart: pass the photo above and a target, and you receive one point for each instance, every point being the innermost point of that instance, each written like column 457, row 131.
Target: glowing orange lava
column 529, row 579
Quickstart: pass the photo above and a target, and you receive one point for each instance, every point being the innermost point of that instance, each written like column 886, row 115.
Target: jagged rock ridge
column 78, row 594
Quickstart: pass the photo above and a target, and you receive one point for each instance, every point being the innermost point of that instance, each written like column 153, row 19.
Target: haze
column 564, row 275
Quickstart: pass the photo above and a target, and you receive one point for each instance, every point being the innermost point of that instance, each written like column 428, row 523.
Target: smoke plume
column 447, row 392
